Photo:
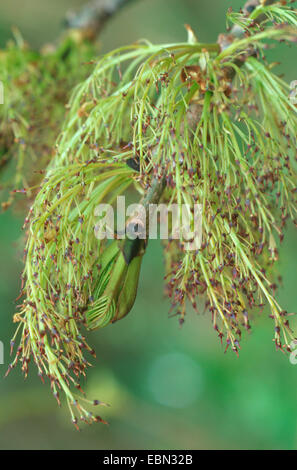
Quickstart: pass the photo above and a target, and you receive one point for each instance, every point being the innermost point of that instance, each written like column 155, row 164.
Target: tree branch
column 93, row 16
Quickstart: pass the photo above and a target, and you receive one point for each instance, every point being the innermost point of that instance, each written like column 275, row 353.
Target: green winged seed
column 116, row 288
column 106, row 293
column 129, row 290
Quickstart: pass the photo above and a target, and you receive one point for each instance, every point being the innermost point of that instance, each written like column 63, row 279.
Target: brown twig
column 93, row 16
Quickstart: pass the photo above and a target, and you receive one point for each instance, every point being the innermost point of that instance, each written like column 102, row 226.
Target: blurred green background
column 169, row 387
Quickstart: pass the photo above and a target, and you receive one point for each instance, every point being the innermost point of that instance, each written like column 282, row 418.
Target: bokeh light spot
column 175, row 380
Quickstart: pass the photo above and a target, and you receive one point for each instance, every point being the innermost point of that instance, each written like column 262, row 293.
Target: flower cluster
column 36, row 87
column 212, row 124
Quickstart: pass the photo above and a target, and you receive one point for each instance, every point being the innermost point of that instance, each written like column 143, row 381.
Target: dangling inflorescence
column 216, row 125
